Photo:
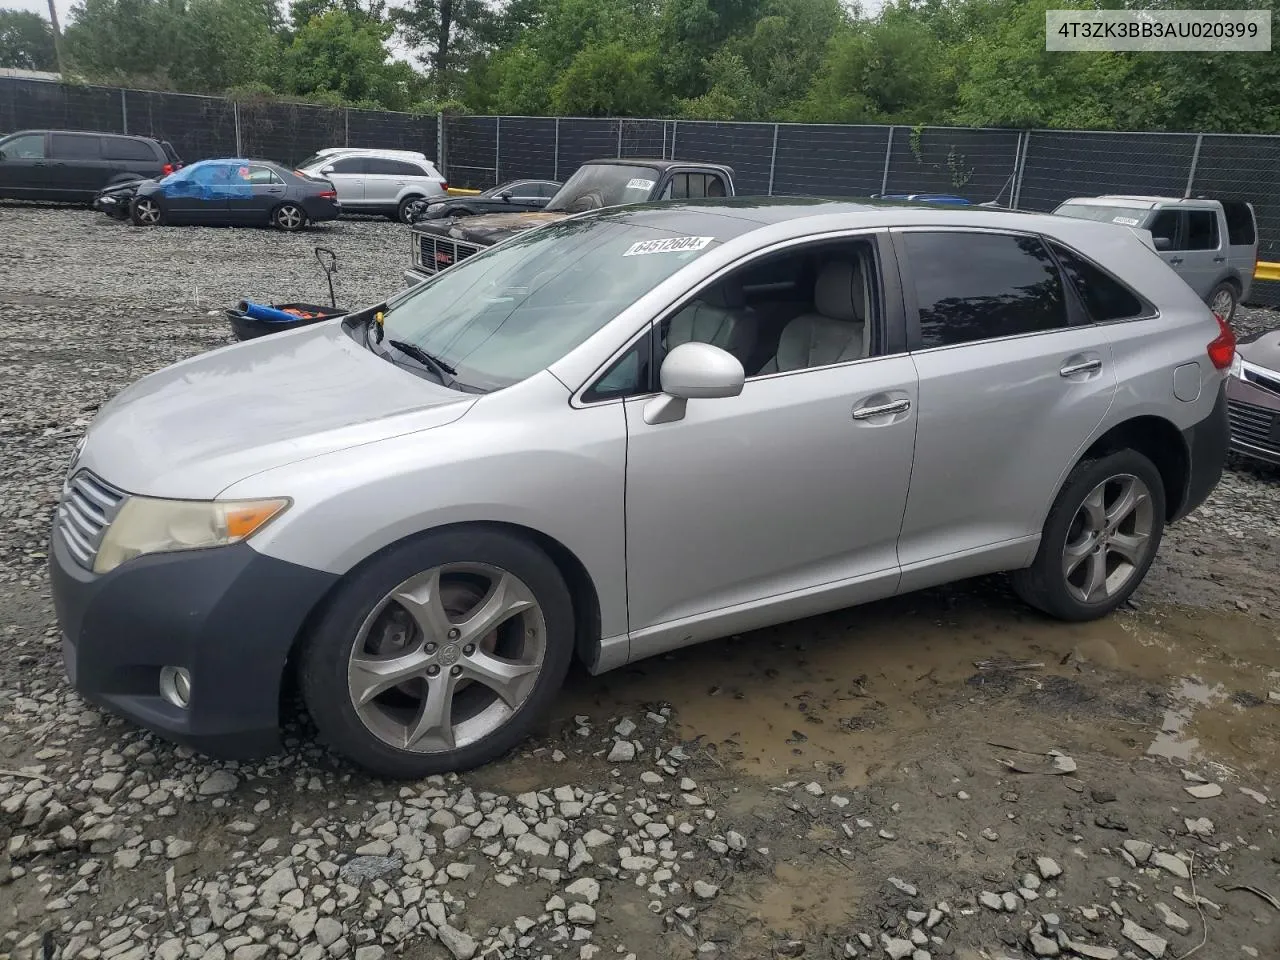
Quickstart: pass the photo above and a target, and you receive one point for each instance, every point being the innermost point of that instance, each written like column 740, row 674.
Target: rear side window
column 1105, row 297
column 70, row 146
column 120, row 148
column 392, row 168
column 1202, row 230
column 349, row 165
column 263, row 175
column 1241, row 231
column 981, row 286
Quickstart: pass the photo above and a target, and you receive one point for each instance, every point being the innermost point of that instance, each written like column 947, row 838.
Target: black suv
column 72, row 165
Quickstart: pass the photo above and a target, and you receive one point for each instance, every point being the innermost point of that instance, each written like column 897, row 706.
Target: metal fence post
column 773, row 158
column 235, row 112
column 556, row 161
column 888, row 155
column 1017, row 161
column 619, row 137
column 346, row 126
column 1195, row 160
column 440, row 144
column 1017, row 178
column 675, row 128
column 497, row 149
column 124, row 112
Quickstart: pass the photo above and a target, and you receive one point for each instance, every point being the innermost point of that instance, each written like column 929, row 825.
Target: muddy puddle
column 844, row 694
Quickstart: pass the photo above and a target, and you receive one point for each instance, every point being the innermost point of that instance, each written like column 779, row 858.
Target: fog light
column 175, row 686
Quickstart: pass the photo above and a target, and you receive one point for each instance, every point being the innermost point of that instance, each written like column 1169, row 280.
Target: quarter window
column 1105, row 297
column 982, row 286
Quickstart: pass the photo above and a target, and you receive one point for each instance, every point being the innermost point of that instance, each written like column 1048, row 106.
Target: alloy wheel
column 148, row 212
column 289, row 217
column 1222, row 303
column 1109, row 539
column 447, row 657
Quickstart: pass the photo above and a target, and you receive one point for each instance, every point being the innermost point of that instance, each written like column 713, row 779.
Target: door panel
column 348, row 179
column 999, row 424
column 25, row 170
column 1204, row 254
column 771, row 492
column 252, row 199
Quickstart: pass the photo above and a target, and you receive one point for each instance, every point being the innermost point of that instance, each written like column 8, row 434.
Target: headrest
column 833, row 292
column 726, row 294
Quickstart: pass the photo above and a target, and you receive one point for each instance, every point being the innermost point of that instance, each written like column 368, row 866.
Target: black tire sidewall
column 1055, row 598
column 323, row 663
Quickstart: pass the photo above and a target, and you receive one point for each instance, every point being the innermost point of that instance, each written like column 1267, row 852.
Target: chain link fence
column 1028, row 170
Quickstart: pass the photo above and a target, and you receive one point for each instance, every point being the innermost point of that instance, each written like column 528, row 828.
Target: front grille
column 435, row 252
column 1255, row 426
column 1256, row 376
column 87, row 508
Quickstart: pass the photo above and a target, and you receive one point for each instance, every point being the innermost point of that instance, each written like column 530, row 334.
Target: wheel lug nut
column 456, row 671
column 431, row 648
column 469, row 649
column 432, row 670
column 454, row 634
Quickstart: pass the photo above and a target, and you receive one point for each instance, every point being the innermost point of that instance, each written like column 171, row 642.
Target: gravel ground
column 943, row 774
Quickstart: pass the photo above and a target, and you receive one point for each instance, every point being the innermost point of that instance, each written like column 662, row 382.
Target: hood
column 488, row 229
column 1263, row 352
column 193, row 429
column 125, row 186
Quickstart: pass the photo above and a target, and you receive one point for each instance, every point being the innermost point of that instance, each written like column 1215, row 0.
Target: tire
column 362, row 626
column 145, row 212
column 1064, row 591
column 406, row 209
column 1223, row 299
column 288, row 217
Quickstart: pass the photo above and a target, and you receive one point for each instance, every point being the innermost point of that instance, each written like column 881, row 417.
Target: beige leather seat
column 836, row 332
column 719, row 317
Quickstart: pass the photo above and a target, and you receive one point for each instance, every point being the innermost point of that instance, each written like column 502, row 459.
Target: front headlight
column 147, row 525
column 1237, row 366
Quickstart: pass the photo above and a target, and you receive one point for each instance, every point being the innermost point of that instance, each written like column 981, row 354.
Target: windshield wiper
column 446, row 373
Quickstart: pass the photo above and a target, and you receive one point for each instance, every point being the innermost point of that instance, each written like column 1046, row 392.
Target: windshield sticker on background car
column 1127, row 221
column 639, row 183
column 670, row 245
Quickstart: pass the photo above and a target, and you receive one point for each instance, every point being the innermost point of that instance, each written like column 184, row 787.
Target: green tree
column 451, row 32
column 123, row 41
column 609, row 80
column 26, row 41
column 344, row 58
column 733, row 94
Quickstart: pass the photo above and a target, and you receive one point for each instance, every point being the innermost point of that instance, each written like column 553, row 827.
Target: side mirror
column 327, row 170
column 1163, row 243
column 505, row 195
column 694, row 371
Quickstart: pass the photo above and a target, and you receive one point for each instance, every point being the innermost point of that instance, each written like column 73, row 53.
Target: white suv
column 378, row 181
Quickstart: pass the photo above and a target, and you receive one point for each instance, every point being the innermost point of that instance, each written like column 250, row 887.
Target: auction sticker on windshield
column 669, row 245
column 1127, row 221
column 639, row 183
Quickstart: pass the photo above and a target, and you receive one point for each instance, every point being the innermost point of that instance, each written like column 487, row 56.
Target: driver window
column 30, row 147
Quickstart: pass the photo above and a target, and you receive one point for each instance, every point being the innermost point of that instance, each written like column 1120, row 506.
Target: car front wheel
column 410, row 207
column 1099, row 540
column 440, row 654
column 289, row 217
column 146, row 212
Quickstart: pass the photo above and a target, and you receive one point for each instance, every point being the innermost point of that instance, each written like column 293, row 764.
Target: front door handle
column 881, row 409
column 1084, row 366
column 1219, row 259
column 1175, row 260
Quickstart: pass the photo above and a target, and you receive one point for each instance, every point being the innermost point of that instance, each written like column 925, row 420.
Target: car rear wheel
column 409, row 207
column 1222, row 300
column 441, row 654
column 146, row 212
column 289, row 217
column 1099, row 540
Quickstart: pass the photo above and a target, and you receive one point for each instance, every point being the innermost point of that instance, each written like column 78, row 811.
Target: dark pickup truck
column 438, row 244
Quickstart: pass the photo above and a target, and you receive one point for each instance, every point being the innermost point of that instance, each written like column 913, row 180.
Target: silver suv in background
column 389, row 182
column 1211, row 244
column 618, row 434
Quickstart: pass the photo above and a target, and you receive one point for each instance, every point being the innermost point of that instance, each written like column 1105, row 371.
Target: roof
column 658, row 163
column 1140, row 201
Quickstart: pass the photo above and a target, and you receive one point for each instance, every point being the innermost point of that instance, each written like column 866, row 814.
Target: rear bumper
column 229, row 615
column 1207, row 443
column 319, row 210
column 1255, row 420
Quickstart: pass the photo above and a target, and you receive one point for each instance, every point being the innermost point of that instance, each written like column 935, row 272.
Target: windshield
column 505, row 314
column 598, row 185
column 1127, row 216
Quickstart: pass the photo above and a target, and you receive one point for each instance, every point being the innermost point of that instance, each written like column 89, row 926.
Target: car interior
column 792, row 311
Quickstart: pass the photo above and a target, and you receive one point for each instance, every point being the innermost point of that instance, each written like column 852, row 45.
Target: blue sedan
column 241, row 192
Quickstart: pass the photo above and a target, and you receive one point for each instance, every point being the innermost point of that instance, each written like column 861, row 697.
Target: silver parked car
column 1211, row 244
column 618, row 434
column 391, row 182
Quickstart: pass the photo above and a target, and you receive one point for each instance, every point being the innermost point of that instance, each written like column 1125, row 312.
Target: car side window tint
column 30, row 147
column 678, row 188
column 716, row 186
column 1105, row 297
column 260, row 176
column 547, row 190
column 122, row 148
column 1240, row 226
column 71, row 146
column 349, row 165
column 982, row 286
column 1165, row 227
column 1202, row 230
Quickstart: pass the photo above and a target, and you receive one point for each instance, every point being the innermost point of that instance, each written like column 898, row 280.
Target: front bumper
column 1207, row 449
column 227, row 614
column 1255, row 420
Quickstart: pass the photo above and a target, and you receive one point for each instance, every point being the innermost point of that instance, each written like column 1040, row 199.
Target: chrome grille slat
column 436, row 253
column 88, row 506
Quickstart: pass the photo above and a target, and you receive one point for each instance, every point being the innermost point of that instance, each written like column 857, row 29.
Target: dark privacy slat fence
column 1028, row 169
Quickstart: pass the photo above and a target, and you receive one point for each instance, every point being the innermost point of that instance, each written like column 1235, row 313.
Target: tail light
column 444, row 185
column 167, row 169
column 1222, row 348
column 333, row 195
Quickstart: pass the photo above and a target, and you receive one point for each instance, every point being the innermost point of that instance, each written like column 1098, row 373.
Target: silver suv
column 390, row 182
column 1211, row 244
column 618, row 434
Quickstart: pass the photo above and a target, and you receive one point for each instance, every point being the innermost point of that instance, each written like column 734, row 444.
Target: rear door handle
column 1219, row 259
column 881, row 409
column 1175, row 260
column 1084, row 366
